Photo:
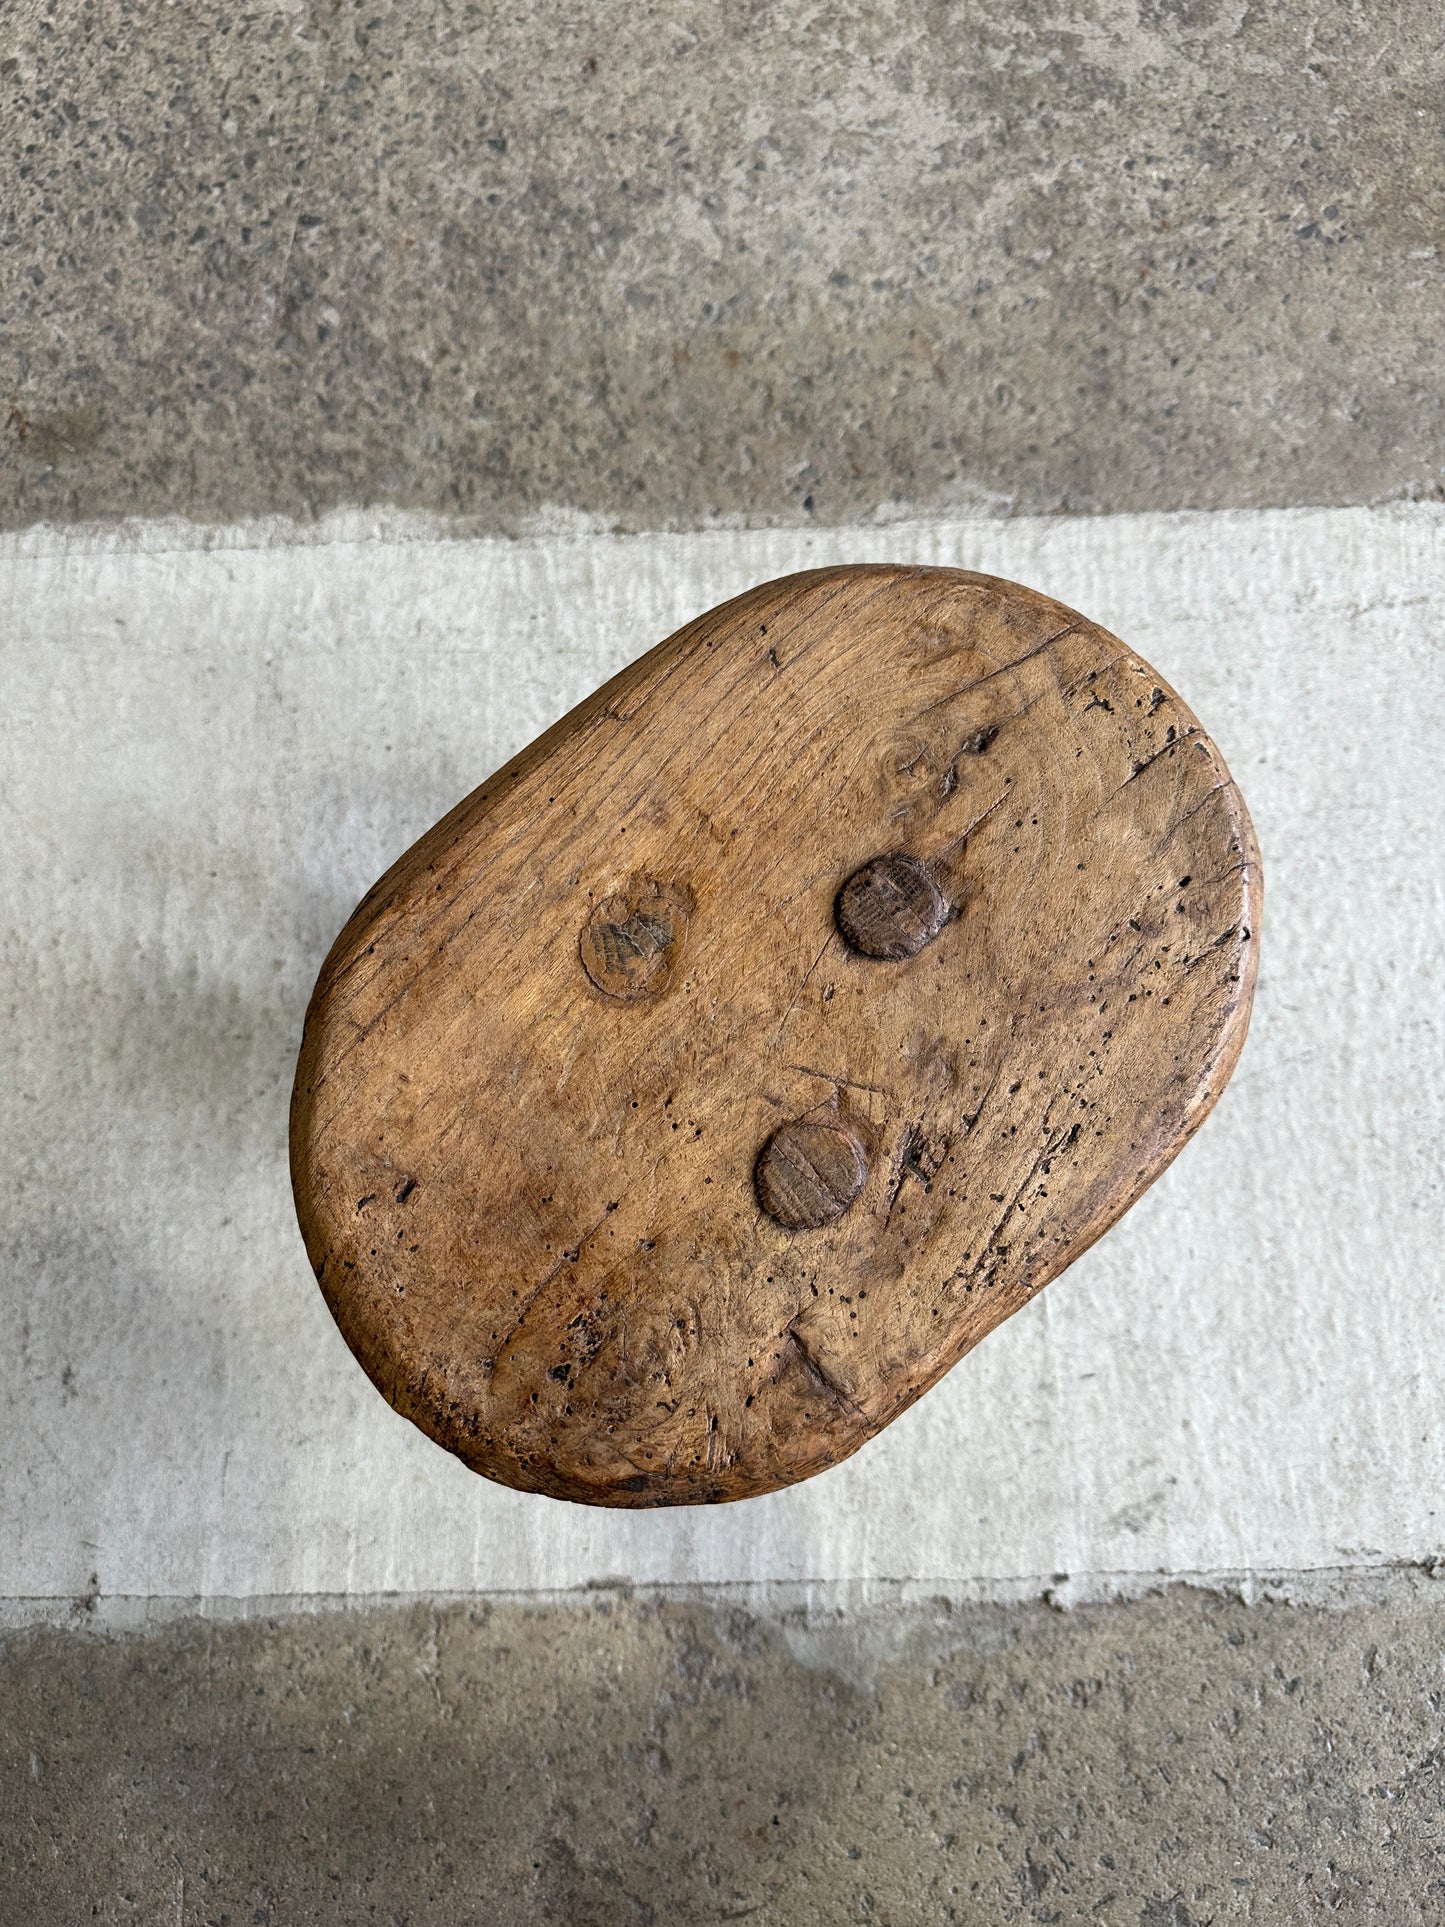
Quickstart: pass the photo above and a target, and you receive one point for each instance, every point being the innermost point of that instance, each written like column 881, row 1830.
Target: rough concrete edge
column 1326, row 1588
column 356, row 527
column 553, row 522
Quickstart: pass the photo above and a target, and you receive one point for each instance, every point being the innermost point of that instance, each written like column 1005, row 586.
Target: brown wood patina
column 708, row 1082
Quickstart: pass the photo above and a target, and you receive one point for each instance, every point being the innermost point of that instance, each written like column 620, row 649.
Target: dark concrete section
column 1171, row 1763
column 665, row 262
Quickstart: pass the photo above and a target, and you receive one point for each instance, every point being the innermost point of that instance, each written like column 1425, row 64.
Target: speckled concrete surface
column 1181, row 1762
column 664, row 262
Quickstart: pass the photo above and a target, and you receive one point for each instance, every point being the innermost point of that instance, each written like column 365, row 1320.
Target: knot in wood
column 808, row 1173
column 890, row 908
column 631, row 941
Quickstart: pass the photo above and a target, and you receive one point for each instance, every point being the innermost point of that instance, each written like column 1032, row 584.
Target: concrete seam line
column 1331, row 1588
column 359, row 527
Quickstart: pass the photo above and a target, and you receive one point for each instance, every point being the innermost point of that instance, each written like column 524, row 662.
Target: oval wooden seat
column 709, row 1081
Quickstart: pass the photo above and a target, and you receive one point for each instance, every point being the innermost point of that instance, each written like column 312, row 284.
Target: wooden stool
column 705, row 1085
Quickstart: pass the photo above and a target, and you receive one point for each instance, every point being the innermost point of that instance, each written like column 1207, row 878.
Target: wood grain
column 700, row 1089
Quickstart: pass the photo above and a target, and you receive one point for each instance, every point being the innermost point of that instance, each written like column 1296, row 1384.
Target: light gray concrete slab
column 211, row 751
column 1179, row 1762
column 664, row 262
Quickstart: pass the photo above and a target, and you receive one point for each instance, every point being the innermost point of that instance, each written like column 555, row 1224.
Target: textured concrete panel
column 1178, row 1762
column 665, row 262
column 212, row 751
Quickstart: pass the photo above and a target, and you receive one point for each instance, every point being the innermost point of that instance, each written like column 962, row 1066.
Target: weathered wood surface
column 700, row 1089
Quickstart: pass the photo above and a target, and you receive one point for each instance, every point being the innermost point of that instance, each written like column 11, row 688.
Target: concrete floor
column 666, row 265
column 1179, row 1761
